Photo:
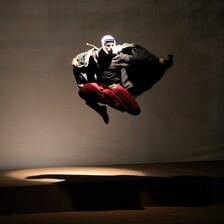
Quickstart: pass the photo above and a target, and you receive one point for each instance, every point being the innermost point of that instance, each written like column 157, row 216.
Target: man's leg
column 101, row 110
column 126, row 100
column 89, row 93
column 94, row 93
column 118, row 97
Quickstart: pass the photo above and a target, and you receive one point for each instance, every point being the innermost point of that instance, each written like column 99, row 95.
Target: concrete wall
column 43, row 122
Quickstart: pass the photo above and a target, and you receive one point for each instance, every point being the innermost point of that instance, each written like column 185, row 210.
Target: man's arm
column 83, row 68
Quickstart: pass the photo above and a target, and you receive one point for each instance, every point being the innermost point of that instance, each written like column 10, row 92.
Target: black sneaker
column 104, row 115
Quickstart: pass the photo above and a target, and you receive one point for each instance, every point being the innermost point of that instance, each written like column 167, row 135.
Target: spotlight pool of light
column 59, row 174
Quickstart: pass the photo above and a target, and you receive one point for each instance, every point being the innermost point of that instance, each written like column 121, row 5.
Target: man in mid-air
column 115, row 75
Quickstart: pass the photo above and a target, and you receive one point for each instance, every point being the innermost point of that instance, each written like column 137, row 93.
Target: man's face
column 109, row 47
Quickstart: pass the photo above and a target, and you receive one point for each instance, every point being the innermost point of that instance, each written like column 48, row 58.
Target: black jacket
column 134, row 67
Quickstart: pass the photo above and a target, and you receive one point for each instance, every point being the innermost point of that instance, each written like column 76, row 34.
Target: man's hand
column 116, row 49
column 113, row 86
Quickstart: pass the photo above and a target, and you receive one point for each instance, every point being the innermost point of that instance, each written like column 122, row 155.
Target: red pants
column 119, row 98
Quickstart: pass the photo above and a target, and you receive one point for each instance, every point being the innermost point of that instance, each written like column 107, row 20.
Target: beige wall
column 43, row 121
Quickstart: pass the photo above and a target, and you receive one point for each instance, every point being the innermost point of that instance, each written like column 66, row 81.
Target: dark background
column 43, row 122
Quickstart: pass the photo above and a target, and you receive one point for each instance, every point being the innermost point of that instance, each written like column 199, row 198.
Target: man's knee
column 88, row 87
column 84, row 91
column 90, row 91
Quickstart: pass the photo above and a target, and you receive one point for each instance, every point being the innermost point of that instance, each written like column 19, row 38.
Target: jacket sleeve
column 143, row 70
column 84, row 71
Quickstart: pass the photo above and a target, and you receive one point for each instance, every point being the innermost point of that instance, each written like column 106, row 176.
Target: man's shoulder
column 83, row 58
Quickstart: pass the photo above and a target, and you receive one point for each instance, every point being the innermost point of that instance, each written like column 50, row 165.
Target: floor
column 185, row 193
column 156, row 215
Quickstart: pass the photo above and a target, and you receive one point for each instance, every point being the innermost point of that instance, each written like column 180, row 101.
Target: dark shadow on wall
column 131, row 192
column 99, row 193
column 103, row 193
